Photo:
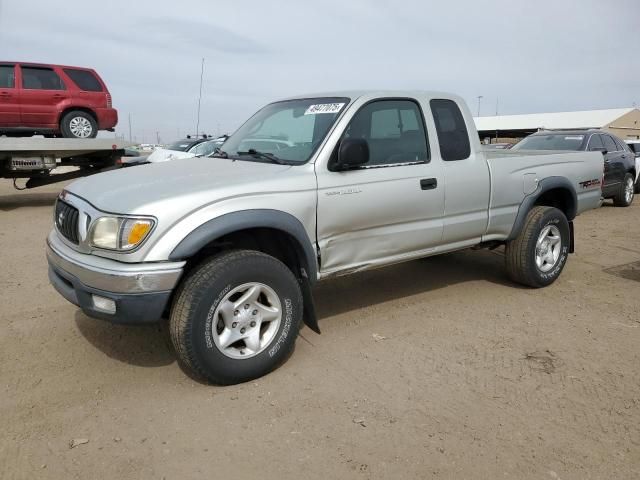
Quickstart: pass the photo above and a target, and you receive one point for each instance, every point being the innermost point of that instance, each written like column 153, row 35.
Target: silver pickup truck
column 230, row 246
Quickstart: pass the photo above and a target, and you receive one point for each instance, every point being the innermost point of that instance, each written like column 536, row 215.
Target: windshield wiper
column 217, row 153
column 265, row 155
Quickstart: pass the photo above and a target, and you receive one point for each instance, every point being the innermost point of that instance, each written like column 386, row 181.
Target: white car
column 634, row 145
column 186, row 148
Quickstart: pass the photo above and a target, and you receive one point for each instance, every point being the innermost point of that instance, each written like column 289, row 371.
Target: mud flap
column 309, row 310
column 572, row 244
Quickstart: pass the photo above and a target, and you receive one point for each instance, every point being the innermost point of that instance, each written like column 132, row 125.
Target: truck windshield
column 562, row 141
column 290, row 130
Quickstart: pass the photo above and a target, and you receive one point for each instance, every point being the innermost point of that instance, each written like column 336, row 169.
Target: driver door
column 390, row 208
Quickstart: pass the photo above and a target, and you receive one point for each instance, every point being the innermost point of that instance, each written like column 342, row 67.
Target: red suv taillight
column 108, row 100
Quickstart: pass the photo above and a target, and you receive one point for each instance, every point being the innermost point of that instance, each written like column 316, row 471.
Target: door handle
column 428, row 183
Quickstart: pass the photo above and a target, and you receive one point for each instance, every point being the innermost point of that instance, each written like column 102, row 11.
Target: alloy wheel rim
column 628, row 190
column 548, row 248
column 80, row 127
column 246, row 321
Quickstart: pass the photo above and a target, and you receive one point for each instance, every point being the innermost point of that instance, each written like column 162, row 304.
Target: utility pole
column 480, row 97
column 129, row 127
column 496, row 106
column 200, row 96
column 157, row 138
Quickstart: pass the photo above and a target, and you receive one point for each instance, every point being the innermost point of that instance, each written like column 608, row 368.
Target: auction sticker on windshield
column 324, row 108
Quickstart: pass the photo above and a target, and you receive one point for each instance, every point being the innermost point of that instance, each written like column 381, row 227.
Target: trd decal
column 590, row 183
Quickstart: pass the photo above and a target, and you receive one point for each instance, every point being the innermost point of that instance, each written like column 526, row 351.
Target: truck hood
column 158, row 188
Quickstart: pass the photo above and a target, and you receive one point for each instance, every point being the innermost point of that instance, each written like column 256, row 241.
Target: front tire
column 625, row 195
column 538, row 254
column 236, row 317
column 78, row 124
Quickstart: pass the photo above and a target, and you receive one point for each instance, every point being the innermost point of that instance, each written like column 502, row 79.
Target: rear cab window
column 84, row 80
column 453, row 136
column 41, row 78
column 7, row 76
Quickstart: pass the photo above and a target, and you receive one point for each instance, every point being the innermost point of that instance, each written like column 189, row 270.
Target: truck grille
column 67, row 221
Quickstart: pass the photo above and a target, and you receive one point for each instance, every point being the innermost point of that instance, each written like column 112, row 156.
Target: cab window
column 394, row 131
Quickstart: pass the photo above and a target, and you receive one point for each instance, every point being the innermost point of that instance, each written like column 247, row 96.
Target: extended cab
column 230, row 246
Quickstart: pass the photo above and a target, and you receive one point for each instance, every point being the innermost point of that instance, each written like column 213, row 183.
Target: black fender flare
column 545, row 185
column 259, row 218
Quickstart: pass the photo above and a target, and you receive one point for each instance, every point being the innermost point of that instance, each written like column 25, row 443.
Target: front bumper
column 140, row 292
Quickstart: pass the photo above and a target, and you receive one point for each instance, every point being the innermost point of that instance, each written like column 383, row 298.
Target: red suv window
column 7, row 76
column 85, row 80
column 41, row 78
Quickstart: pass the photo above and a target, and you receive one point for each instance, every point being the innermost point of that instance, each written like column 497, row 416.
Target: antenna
column 200, row 96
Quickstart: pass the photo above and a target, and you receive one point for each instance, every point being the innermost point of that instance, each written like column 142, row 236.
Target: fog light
column 104, row 304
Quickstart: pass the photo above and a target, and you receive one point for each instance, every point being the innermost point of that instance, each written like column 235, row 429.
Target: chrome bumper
column 109, row 275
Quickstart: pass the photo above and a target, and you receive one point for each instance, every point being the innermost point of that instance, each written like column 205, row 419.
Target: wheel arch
column 69, row 109
column 555, row 192
column 271, row 231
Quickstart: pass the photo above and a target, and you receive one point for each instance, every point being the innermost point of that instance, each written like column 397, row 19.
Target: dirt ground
column 439, row 368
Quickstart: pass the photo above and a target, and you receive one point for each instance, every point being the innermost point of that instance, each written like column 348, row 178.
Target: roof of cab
column 372, row 94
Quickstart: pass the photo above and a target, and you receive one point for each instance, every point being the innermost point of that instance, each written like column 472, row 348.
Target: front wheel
column 538, row 254
column 625, row 195
column 78, row 124
column 236, row 317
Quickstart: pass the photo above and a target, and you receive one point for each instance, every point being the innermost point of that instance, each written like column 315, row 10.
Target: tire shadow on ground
column 140, row 345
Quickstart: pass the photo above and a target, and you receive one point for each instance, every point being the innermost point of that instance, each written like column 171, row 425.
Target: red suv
column 53, row 100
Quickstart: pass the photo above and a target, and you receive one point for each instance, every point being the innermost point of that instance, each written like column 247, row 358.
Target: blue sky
column 532, row 56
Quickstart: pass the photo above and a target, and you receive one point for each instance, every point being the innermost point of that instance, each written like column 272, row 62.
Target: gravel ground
column 438, row 368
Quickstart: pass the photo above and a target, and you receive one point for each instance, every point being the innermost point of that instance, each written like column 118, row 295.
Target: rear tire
column 78, row 124
column 625, row 194
column 538, row 254
column 236, row 317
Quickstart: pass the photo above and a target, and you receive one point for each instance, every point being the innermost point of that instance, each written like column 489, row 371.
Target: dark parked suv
column 619, row 160
column 53, row 100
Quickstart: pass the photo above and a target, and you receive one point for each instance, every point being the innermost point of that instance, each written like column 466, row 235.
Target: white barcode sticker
column 324, row 108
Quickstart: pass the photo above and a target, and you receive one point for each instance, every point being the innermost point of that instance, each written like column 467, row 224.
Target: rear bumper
column 107, row 118
column 139, row 293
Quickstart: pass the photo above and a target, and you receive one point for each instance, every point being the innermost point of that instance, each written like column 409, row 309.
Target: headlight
column 119, row 233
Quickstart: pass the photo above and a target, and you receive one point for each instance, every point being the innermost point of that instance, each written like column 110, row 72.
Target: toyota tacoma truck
column 229, row 247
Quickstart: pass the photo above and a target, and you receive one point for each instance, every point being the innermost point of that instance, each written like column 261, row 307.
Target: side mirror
column 599, row 149
column 353, row 152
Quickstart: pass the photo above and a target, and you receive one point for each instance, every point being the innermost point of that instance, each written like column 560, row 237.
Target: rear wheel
column 538, row 254
column 236, row 317
column 625, row 195
column 78, row 124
